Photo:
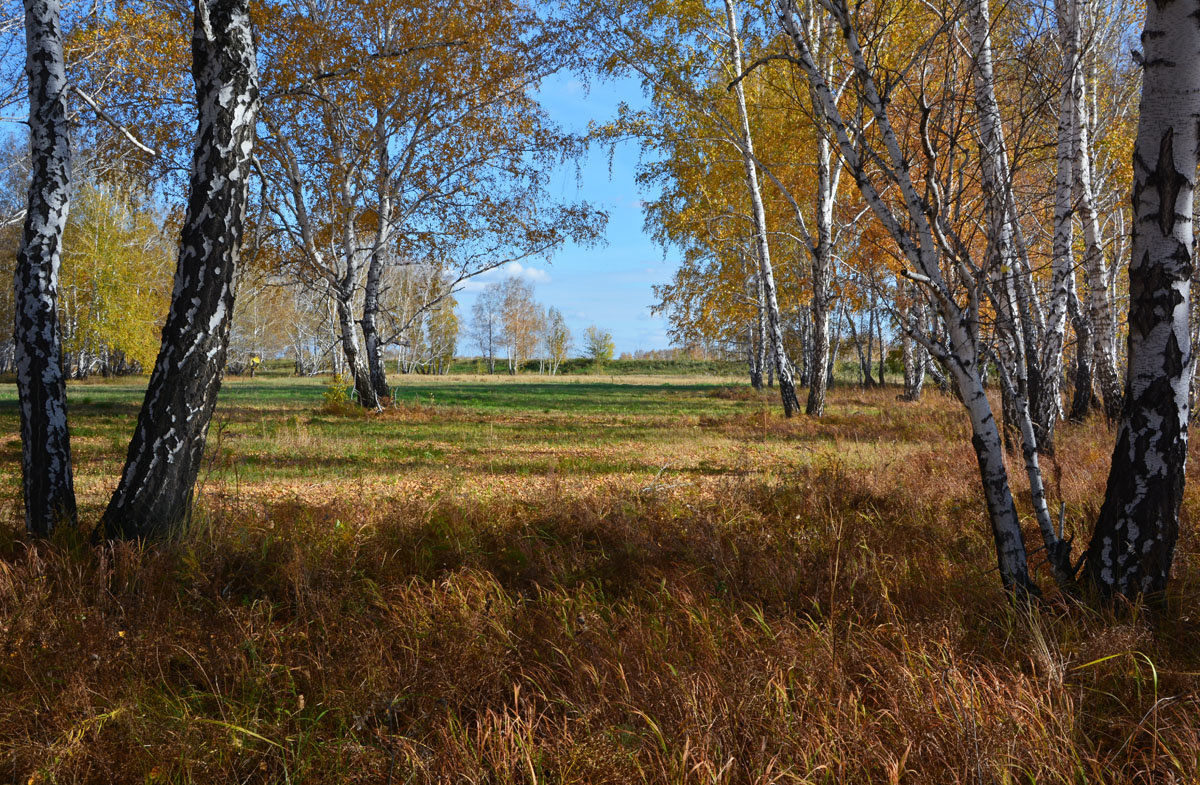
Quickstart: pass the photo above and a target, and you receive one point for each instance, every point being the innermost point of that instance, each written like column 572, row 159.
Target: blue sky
column 608, row 285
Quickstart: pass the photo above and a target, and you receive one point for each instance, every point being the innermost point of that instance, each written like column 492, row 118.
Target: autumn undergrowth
column 629, row 583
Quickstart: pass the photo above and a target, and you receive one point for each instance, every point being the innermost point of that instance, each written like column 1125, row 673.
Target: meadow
column 593, row 579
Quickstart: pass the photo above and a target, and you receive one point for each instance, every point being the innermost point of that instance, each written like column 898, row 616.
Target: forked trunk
column 48, row 486
column 154, row 496
column 1133, row 546
column 356, row 369
column 373, row 343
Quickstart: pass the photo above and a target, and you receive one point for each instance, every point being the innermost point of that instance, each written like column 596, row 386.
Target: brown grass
column 834, row 621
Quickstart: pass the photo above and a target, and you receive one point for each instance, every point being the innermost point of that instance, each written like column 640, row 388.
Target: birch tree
column 154, row 496
column 47, row 478
column 423, row 120
column 557, row 339
column 1132, row 548
column 783, row 365
column 936, row 256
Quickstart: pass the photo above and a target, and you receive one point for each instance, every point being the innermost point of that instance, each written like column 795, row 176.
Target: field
column 587, row 580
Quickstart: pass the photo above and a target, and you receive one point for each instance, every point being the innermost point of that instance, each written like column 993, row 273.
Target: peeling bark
column 154, row 497
column 1133, row 545
column 48, row 485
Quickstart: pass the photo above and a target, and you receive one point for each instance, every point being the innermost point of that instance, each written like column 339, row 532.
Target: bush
column 337, row 393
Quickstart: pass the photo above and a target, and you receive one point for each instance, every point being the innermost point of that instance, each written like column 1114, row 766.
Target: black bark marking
column 47, row 479
column 1168, row 181
column 154, row 496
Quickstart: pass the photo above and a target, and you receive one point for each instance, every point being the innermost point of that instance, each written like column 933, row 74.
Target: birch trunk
column 783, row 366
column 1009, row 270
column 1011, row 556
column 1134, row 542
column 373, row 343
column 347, row 337
column 154, row 496
column 47, row 481
column 916, row 238
column 1063, row 256
column 1098, row 273
column 1081, row 398
column 376, row 367
column 760, row 333
column 822, row 268
column 915, row 355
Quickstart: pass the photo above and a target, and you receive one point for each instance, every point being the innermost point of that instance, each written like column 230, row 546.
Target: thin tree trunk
column 756, row 380
column 783, row 366
column 372, row 342
column 47, row 481
column 154, row 496
column 1063, row 256
column 835, row 348
column 760, row 330
column 1133, row 545
column 822, row 260
column 1098, row 273
column 1082, row 395
column 915, row 236
column 1009, row 270
column 882, row 351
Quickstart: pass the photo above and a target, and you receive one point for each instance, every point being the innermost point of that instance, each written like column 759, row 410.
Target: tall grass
column 828, row 619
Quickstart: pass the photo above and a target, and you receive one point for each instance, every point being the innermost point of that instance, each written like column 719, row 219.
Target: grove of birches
column 991, row 201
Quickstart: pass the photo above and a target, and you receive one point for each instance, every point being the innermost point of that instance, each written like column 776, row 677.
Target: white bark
column 1132, row 548
column 48, row 484
column 154, row 496
column 917, row 234
column 783, row 365
column 1097, row 271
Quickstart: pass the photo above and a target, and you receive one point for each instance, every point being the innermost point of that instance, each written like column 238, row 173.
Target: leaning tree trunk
column 1134, row 542
column 154, row 496
column 48, row 486
column 783, row 366
column 1009, row 269
column 1011, row 556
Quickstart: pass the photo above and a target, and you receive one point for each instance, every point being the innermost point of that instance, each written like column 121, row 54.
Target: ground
column 585, row 580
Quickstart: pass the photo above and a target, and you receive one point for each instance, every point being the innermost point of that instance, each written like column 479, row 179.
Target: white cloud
column 531, row 274
column 510, row 270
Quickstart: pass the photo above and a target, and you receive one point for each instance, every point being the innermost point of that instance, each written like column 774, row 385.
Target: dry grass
column 747, row 600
